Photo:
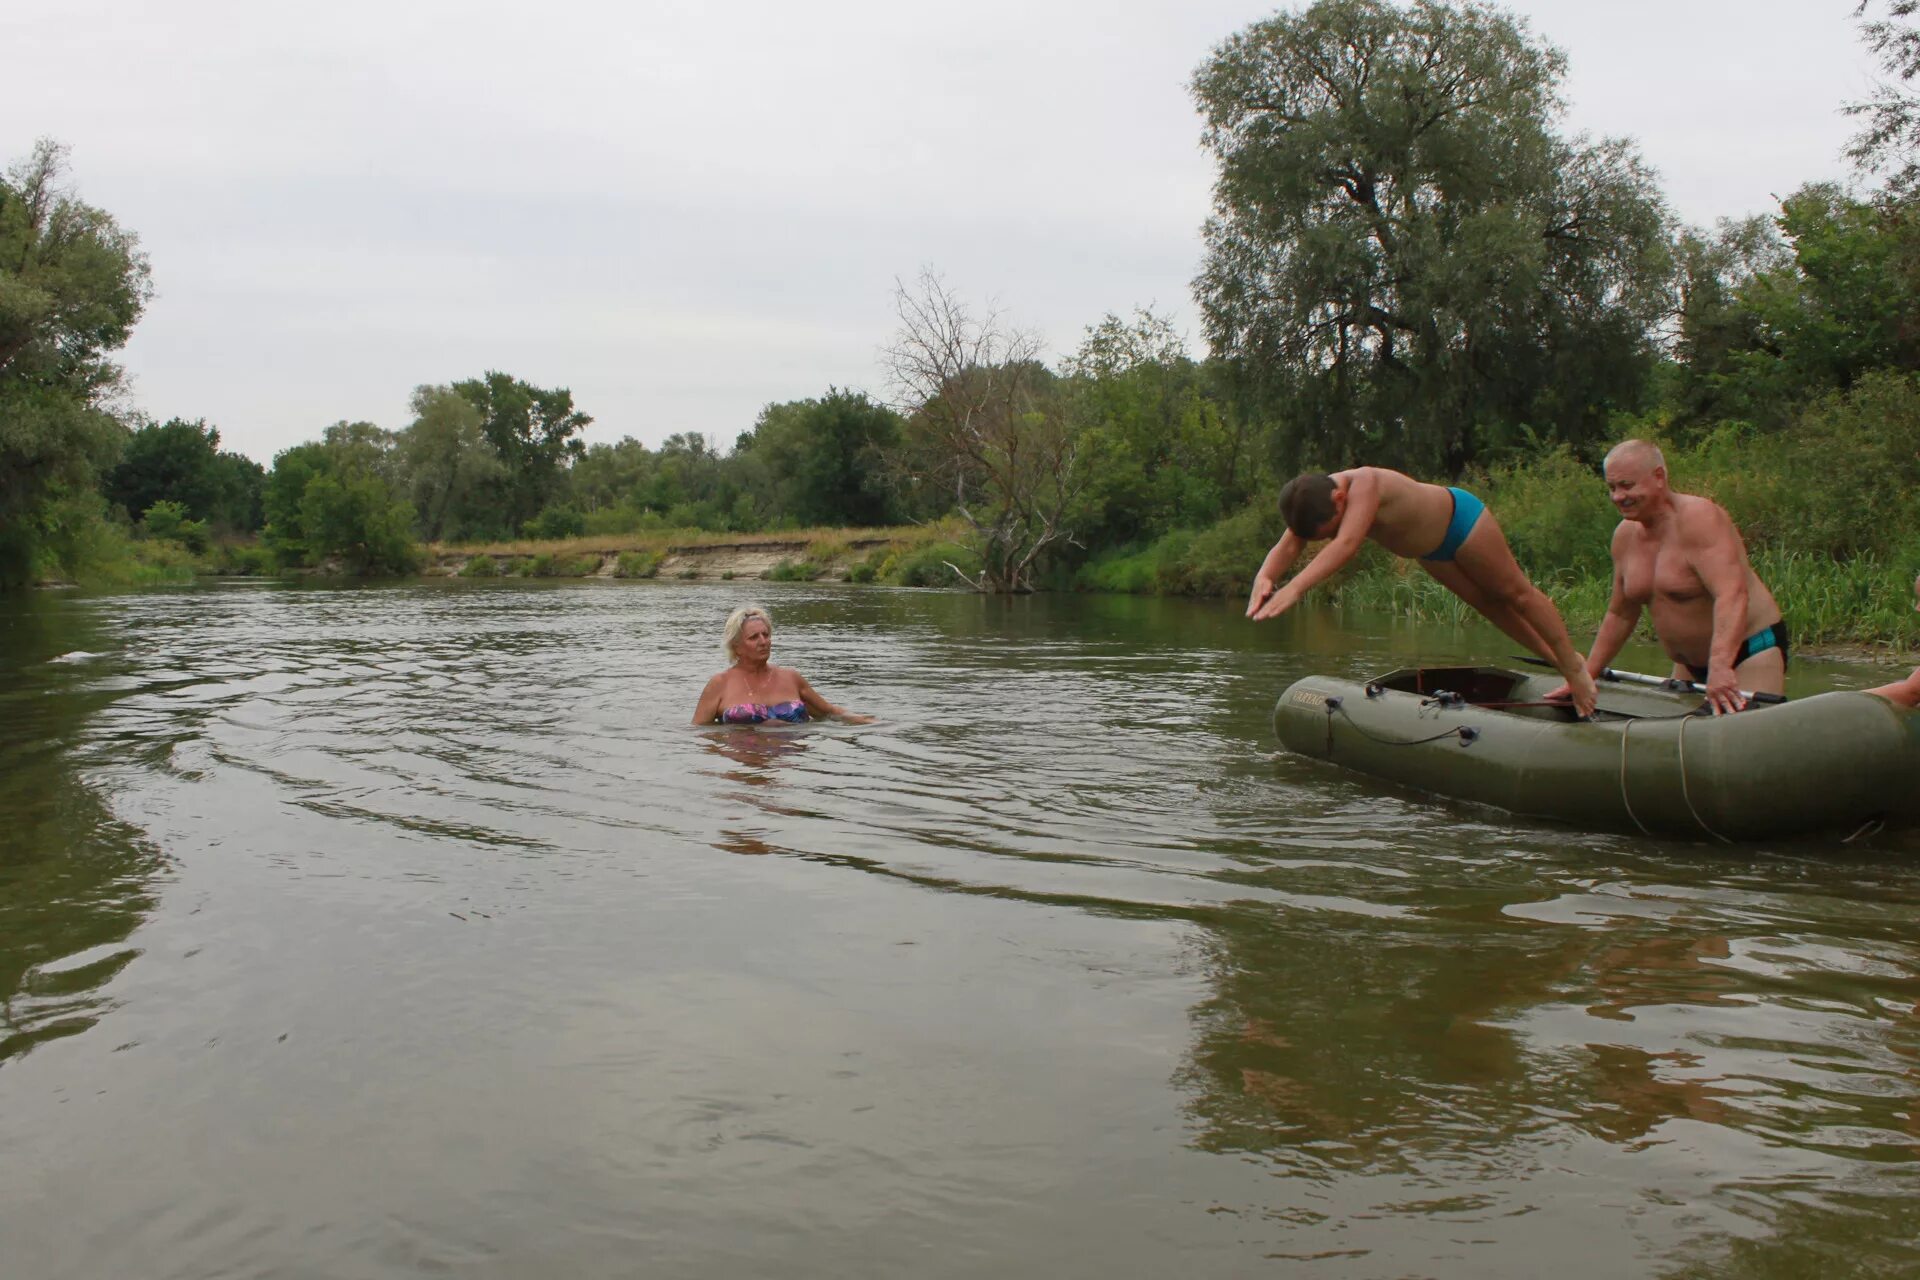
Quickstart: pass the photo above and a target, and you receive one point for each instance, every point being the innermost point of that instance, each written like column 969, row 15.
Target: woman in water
column 753, row 690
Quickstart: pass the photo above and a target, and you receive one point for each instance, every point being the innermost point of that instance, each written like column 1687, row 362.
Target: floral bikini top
column 759, row 712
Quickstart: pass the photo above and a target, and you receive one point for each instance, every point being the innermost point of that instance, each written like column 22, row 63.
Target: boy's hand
column 1262, row 588
column 1278, row 603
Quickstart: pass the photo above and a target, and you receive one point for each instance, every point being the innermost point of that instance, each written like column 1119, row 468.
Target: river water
column 400, row 930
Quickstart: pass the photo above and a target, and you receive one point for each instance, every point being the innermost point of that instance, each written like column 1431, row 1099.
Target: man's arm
column 1717, row 554
column 1622, row 616
column 1902, row 693
column 1616, row 628
column 1363, row 504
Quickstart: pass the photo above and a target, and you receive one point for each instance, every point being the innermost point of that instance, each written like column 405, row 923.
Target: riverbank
column 1855, row 607
column 914, row 555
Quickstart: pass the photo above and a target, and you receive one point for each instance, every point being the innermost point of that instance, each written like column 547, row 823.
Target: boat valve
column 1468, row 734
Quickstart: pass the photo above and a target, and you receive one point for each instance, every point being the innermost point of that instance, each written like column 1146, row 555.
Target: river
column 410, row 929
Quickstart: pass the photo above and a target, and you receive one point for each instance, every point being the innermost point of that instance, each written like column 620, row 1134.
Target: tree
column 72, row 284
column 182, row 462
column 693, row 486
column 823, row 459
column 352, row 515
column 612, row 475
column 168, row 520
column 532, row 432
column 1711, row 324
column 1807, row 303
column 293, row 470
column 1890, row 141
column 336, row 498
column 1405, row 253
column 982, row 423
column 447, row 463
column 1166, row 452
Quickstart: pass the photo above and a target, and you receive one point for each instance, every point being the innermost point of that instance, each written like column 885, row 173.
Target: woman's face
column 755, row 642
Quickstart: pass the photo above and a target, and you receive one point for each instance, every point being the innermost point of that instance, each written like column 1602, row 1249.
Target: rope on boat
column 1625, row 730
column 1686, row 794
column 1870, row 828
column 1465, row 732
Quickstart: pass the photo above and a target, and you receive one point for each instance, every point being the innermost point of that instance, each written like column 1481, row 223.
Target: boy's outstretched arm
column 1363, row 504
column 1274, row 567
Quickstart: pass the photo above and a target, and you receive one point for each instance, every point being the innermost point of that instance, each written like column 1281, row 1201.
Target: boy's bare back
column 1412, row 517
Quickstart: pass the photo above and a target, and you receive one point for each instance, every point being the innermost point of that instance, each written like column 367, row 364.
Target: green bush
column 638, row 564
column 168, row 520
column 556, row 522
column 558, row 564
column 243, row 560
column 1221, row 559
column 480, row 567
column 1129, row 570
column 794, row 571
column 70, row 537
column 1555, row 513
column 1839, row 481
column 621, row 519
column 928, row 565
column 73, row 539
column 711, row 517
column 354, row 517
column 872, row 567
column 160, row 560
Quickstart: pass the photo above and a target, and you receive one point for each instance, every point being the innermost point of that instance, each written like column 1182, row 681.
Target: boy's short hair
column 1306, row 503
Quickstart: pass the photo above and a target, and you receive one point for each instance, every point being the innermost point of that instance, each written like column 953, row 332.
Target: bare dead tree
column 976, row 398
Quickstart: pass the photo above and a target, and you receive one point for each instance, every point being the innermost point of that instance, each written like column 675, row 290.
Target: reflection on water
column 74, row 882
column 754, row 749
column 379, row 930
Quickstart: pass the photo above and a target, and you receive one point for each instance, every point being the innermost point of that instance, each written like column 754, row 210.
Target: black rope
column 1466, row 733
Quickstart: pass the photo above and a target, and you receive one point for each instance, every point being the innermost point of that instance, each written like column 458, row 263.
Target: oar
column 1660, row 682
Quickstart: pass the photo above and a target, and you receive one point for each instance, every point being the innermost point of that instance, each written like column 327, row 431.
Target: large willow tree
column 1405, row 254
column 72, row 283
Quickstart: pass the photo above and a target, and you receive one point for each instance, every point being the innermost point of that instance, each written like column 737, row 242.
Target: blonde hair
column 736, row 621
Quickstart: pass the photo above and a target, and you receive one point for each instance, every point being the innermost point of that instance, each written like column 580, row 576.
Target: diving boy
column 1449, row 531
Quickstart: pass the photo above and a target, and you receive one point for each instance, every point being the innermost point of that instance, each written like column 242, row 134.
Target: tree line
column 1409, row 263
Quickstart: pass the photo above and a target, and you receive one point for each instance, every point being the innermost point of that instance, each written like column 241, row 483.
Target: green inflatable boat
column 1840, row 763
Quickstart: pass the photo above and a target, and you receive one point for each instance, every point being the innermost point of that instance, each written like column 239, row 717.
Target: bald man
column 1680, row 556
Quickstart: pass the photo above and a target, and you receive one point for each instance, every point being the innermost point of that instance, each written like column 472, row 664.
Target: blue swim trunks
column 1466, row 514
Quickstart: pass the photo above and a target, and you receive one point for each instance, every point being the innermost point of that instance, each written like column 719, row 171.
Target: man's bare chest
column 1656, row 569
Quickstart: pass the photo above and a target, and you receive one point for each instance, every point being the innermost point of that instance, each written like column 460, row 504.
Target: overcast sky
column 685, row 211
